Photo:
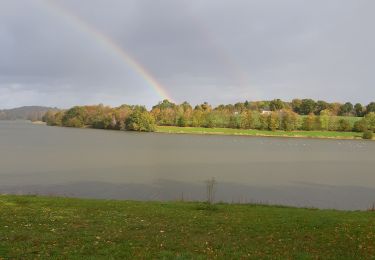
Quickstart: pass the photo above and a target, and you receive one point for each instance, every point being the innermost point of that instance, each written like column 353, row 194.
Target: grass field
column 351, row 119
column 34, row 227
column 251, row 132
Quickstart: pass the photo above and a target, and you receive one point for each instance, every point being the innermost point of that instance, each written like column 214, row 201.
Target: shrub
column 181, row 121
column 370, row 119
column 367, row 134
column 344, row 125
column 360, row 126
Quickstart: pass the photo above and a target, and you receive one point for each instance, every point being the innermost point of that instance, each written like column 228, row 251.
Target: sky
column 62, row 53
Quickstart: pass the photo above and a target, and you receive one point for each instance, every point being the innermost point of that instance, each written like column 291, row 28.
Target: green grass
column 33, row 227
column 253, row 132
column 351, row 119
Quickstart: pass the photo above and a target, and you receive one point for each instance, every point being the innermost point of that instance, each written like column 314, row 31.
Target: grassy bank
column 253, row 132
column 60, row 228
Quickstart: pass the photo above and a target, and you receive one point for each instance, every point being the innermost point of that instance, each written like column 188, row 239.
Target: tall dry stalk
column 211, row 190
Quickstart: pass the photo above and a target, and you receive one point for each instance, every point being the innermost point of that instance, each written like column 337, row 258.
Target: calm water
column 122, row 165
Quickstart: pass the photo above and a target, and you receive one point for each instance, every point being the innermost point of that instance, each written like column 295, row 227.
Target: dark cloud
column 216, row 51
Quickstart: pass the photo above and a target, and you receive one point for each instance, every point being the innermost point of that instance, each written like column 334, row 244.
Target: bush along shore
column 34, row 227
column 299, row 118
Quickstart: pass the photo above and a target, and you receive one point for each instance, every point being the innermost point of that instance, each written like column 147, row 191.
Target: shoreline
column 238, row 132
column 252, row 133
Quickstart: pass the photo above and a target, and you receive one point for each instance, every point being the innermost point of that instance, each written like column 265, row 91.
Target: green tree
column 263, row 122
column 181, row 122
column 307, row 106
column 324, row 119
column 320, row 106
column 296, row 105
column 358, row 109
column 346, row 109
column 370, row 108
column 211, row 120
column 370, row 119
column 197, row 118
column 164, row 104
column 276, row 104
column 103, row 122
column 141, row 121
column 75, row 117
column 235, row 121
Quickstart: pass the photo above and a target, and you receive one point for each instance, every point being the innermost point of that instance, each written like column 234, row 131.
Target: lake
column 90, row 163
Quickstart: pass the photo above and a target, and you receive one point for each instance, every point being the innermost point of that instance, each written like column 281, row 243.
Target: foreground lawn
column 252, row 132
column 60, row 228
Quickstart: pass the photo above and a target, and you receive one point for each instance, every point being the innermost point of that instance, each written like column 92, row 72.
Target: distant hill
column 33, row 113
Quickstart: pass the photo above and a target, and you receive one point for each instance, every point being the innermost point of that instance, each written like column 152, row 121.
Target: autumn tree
column 289, row 120
column 273, row 121
column 309, row 122
column 249, row 119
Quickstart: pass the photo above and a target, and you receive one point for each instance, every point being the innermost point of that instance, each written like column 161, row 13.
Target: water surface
column 148, row 166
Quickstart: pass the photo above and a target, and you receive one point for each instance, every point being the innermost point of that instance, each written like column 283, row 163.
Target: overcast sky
column 217, row 51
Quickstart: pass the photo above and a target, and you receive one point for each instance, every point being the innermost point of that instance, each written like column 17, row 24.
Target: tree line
column 300, row 114
column 32, row 113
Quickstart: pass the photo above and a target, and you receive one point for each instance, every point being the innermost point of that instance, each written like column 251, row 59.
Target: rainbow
column 111, row 45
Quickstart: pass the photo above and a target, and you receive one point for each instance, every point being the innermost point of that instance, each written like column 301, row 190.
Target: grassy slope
column 251, row 132
column 351, row 119
column 50, row 228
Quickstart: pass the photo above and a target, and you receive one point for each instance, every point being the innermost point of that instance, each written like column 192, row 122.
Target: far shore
column 249, row 132
column 260, row 133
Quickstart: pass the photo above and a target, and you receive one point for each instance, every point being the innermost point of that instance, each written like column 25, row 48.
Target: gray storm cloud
column 215, row 51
